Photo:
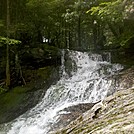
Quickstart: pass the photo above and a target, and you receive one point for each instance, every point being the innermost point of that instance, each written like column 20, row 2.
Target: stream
column 85, row 78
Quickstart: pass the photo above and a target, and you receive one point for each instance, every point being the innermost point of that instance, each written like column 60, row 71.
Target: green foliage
column 112, row 16
column 4, row 40
column 108, row 11
column 2, row 90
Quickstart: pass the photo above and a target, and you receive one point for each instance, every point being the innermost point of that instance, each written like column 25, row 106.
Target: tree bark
column 7, row 49
column 79, row 24
column 79, row 31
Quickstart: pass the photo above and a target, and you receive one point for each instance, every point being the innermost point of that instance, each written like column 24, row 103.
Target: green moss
column 20, row 89
column 9, row 102
column 32, row 76
column 2, row 90
column 10, row 99
column 44, row 72
column 18, row 99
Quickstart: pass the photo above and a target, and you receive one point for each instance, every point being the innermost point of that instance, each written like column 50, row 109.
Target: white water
column 90, row 81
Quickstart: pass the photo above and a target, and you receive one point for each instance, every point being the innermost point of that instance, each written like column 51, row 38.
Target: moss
column 12, row 98
column 20, row 89
column 2, row 90
column 8, row 102
column 44, row 72
column 38, row 74
column 15, row 102
column 19, row 99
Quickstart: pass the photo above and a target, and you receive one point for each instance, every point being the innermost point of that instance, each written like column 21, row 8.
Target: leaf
column 4, row 40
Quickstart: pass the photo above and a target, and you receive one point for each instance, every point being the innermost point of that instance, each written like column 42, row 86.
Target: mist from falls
column 85, row 78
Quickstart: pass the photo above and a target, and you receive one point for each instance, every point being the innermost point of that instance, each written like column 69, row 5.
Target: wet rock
column 114, row 115
column 126, row 79
column 71, row 113
column 123, row 80
column 107, row 116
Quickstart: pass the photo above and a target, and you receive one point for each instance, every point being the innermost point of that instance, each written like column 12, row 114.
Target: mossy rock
column 41, row 77
column 21, row 98
column 10, row 104
column 40, row 56
column 17, row 101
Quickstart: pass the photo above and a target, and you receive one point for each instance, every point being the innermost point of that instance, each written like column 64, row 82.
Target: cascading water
column 89, row 81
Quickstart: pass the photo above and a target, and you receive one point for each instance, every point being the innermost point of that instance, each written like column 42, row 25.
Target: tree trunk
column 79, row 24
column 79, row 32
column 7, row 49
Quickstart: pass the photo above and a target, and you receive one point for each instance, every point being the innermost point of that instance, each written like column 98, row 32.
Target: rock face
column 114, row 115
column 126, row 79
column 71, row 113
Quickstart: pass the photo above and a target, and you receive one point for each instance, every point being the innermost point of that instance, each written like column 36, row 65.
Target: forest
column 32, row 32
column 66, row 61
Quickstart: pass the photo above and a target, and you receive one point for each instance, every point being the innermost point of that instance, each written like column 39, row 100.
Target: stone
column 115, row 116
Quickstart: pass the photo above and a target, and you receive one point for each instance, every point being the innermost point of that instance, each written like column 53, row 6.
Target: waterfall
column 86, row 78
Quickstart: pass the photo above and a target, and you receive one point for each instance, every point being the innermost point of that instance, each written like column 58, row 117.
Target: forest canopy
column 74, row 24
column 65, row 22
